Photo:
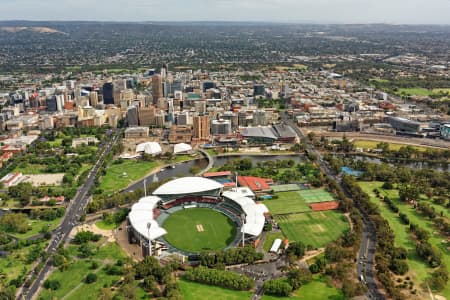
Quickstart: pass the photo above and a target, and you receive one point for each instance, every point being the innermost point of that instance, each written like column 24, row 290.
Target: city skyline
column 303, row 11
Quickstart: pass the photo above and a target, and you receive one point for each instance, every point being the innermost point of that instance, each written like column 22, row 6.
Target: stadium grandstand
column 147, row 217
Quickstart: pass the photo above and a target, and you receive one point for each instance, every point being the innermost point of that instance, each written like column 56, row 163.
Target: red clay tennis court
column 324, row 206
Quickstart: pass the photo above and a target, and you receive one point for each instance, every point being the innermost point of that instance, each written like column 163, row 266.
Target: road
column 72, row 216
column 366, row 254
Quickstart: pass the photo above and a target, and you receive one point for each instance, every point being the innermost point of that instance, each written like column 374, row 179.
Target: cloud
column 318, row 11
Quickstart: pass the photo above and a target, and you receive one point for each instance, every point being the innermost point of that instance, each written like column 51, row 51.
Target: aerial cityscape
column 196, row 155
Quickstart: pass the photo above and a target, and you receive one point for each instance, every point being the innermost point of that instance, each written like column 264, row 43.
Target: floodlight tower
column 243, row 234
column 145, row 187
column 149, row 225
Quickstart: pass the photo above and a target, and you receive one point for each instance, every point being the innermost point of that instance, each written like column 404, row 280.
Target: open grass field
column 36, row 226
column 198, row 291
column 270, row 237
column 197, row 229
column 415, row 91
column 285, row 187
column 102, row 225
column 419, row 270
column 315, row 228
column 119, row 176
column 72, row 279
column 318, row 289
column 287, row 202
column 26, row 168
column 367, row 144
column 316, row 195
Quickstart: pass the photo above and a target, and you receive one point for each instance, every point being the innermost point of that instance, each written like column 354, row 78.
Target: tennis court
column 285, row 188
column 316, row 195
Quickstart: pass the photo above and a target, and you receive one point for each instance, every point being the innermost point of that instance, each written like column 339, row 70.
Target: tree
column 399, row 267
column 298, row 277
column 52, row 284
column 277, row 287
column 91, row 278
column 296, row 250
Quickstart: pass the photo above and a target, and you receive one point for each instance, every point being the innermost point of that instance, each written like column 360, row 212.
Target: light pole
column 243, row 234
column 145, row 188
column 149, row 225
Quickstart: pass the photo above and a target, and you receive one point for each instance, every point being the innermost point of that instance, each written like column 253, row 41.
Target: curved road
column 366, row 256
column 73, row 213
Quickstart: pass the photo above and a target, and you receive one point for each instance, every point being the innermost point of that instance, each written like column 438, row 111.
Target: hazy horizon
column 414, row 12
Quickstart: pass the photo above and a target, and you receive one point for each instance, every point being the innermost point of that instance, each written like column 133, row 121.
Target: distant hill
column 15, row 29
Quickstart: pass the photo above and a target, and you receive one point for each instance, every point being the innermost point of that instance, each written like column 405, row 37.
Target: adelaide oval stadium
column 192, row 214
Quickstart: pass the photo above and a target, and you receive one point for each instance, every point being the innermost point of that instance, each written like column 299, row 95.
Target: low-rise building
column 136, row 132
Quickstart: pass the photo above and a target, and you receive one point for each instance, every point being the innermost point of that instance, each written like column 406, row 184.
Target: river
column 183, row 169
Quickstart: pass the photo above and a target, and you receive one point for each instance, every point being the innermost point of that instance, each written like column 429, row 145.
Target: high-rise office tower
column 201, row 127
column 93, row 99
column 208, row 85
column 108, row 93
column 147, row 116
column 259, row 118
column 157, row 88
column 258, row 90
column 132, row 116
column 51, row 103
column 221, row 127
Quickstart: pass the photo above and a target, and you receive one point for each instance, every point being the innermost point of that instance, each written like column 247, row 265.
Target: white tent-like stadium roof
column 187, row 185
column 152, row 148
column 182, row 147
column 254, row 213
column 142, row 214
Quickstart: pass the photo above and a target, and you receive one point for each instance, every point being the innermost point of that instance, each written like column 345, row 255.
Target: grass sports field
column 316, row 195
column 314, row 228
column 198, row 291
column 197, row 229
column 419, row 270
column 287, row 202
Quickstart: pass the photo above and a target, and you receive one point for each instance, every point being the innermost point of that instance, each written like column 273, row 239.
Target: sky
column 298, row 11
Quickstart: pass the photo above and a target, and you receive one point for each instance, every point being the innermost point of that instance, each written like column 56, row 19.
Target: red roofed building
column 256, row 184
column 217, row 174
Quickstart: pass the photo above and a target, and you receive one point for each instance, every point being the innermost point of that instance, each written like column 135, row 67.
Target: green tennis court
column 316, row 195
column 285, row 187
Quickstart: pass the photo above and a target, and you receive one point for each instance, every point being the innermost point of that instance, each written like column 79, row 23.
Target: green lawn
column 119, row 176
column 13, row 264
column 29, row 169
column 287, row 202
column 270, row 237
column 314, row 228
column 367, row 144
column 318, row 289
column 102, row 225
column 36, row 226
column 72, row 285
column 219, row 230
column 316, row 195
column 419, row 270
column 198, row 291
column 415, row 91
